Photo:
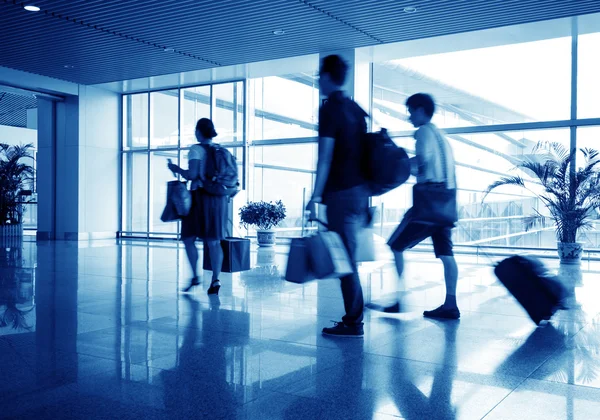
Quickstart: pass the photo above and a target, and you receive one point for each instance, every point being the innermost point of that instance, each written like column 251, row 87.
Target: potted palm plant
column 14, row 175
column 571, row 196
column 265, row 217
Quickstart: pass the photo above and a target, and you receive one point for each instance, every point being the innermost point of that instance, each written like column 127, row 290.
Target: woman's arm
column 195, row 157
column 190, row 174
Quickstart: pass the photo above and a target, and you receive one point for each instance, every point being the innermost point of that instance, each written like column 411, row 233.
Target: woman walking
column 208, row 216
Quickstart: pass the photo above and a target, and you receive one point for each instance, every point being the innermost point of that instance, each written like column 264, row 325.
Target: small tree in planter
column 572, row 199
column 13, row 176
column 265, row 217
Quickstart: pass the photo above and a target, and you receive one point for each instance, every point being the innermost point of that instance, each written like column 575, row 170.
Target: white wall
column 99, row 162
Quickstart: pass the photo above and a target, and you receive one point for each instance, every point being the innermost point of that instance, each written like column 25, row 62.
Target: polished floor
column 99, row 330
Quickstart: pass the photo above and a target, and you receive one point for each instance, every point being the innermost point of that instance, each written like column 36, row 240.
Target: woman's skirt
column 207, row 219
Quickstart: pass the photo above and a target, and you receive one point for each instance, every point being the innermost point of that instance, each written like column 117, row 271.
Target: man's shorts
column 410, row 233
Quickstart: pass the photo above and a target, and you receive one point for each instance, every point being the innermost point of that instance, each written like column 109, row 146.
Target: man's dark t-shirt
column 342, row 119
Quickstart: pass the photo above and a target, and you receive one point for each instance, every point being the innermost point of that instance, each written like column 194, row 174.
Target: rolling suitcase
column 526, row 278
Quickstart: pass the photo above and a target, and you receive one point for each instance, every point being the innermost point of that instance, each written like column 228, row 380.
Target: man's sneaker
column 442, row 313
column 342, row 330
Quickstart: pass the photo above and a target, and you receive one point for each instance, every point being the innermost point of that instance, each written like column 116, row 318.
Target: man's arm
column 326, row 145
column 419, row 162
column 327, row 130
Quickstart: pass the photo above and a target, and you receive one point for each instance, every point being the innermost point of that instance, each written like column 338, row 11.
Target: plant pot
column 571, row 274
column 570, row 253
column 265, row 257
column 266, row 238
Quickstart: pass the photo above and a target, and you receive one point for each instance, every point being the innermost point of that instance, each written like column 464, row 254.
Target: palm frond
column 509, row 180
column 552, row 150
column 534, row 220
column 537, row 169
column 572, row 201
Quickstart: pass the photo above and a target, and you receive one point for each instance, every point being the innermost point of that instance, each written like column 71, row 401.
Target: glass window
column 290, row 156
column 284, row 172
column 195, row 105
column 135, row 121
column 228, row 111
column 510, row 76
column 135, row 190
column 287, row 186
column 164, row 114
column 284, row 106
column 588, row 137
column 159, row 176
column 588, row 67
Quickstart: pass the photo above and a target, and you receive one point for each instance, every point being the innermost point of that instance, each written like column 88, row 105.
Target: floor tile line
column 505, row 397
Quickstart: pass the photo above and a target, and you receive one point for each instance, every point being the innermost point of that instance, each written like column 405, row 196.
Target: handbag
column 433, row 202
column 179, row 202
column 181, row 197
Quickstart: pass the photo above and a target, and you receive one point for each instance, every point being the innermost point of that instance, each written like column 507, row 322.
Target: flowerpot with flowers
column 265, row 217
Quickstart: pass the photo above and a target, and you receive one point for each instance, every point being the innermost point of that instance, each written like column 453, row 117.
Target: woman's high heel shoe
column 195, row 282
column 214, row 287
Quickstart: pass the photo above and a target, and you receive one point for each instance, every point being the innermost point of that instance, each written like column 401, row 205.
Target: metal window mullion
column 245, row 151
column 574, row 70
column 148, row 166
column 180, row 97
column 213, row 102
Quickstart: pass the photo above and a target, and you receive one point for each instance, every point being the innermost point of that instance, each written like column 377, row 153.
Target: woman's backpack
column 221, row 171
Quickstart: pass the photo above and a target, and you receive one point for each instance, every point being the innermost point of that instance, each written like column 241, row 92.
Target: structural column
column 78, row 180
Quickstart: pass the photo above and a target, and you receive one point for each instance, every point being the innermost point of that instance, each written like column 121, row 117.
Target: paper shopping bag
column 328, row 255
column 236, row 255
column 298, row 266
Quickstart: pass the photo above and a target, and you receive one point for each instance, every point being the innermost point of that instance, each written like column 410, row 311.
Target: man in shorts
column 428, row 166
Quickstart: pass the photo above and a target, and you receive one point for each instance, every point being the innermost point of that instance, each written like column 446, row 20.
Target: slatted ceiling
column 13, row 108
column 439, row 17
column 113, row 40
column 14, row 119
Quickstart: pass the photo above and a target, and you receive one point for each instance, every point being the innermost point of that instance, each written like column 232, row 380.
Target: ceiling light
column 31, row 8
column 169, row 49
column 279, row 32
column 410, row 9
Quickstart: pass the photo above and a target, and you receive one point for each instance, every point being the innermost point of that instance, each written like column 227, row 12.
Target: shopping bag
column 328, row 255
column 180, row 196
column 169, row 214
column 298, row 266
column 179, row 202
column 236, row 255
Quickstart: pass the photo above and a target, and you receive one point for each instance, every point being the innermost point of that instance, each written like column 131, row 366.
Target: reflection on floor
column 99, row 330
